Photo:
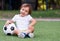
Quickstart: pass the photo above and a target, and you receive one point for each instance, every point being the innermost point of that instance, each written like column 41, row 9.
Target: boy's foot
column 22, row 35
column 31, row 35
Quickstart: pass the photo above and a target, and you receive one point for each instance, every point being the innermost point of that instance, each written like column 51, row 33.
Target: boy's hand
column 8, row 22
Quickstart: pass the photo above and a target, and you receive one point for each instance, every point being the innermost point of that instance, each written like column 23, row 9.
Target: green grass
column 35, row 14
column 44, row 31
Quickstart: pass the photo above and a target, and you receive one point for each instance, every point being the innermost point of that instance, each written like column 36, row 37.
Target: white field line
column 48, row 19
column 40, row 19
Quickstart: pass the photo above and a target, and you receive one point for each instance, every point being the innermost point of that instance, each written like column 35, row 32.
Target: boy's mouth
column 23, row 13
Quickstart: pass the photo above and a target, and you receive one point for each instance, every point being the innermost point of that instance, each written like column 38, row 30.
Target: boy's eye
column 22, row 9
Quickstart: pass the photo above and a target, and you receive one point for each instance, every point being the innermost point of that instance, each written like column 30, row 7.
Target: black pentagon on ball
column 5, row 28
column 8, row 33
column 12, row 28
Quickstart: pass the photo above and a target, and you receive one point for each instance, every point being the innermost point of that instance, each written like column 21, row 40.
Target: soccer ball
column 9, row 30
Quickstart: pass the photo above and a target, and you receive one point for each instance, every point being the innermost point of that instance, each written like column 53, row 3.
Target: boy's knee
column 31, row 28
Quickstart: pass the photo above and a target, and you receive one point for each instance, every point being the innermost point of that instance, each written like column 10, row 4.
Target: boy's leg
column 20, row 34
column 23, row 34
column 29, row 32
column 16, row 31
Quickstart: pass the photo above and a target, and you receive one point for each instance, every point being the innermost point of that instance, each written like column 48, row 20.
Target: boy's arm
column 31, row 26
column 9, row 22
column 33, row 22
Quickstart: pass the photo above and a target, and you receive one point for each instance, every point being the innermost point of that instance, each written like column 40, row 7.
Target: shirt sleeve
column 30, row 17
column 14, row 18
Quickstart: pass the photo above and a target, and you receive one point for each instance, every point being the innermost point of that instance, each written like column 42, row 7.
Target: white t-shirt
column 22, row 23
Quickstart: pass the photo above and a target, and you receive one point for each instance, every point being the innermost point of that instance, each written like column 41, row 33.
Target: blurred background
column 36, row 4
column 41, row 8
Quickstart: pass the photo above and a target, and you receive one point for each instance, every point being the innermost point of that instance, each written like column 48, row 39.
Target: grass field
column 44, row 31
column 35, row 14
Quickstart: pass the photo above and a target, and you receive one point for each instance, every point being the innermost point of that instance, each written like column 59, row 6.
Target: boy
column 24, row 22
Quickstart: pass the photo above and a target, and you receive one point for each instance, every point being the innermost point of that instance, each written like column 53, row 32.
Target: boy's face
column 24, row 10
